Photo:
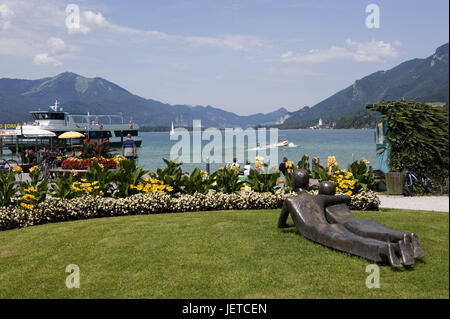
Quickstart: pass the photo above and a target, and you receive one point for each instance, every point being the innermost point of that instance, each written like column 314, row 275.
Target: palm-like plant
column 103, row 176
column 7, row 189
column 226, row 181
column 128, row 174
column 263, row 180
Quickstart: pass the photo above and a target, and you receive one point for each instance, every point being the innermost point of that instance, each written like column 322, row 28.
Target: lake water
column 344, row 144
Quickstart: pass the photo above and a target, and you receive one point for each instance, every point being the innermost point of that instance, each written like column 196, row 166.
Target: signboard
column 8, row 126
column 9, row 132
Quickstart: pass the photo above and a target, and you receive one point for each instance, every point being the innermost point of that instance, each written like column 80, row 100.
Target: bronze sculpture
column 326, row 219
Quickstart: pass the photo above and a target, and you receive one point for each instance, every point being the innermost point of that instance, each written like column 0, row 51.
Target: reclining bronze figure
column 326, row 219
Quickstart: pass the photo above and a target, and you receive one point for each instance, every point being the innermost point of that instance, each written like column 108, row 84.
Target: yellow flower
column 74, row 172
column 84, row 180
column 139, row 187
column 27, row 206
column 132, row 186
column 169, row 188
column 332, row 161
column 33, row 169
column 145, row 179
column 17, row 169
column 289, row 164
column 29, row 196
column 101, row 193
column 349, row 193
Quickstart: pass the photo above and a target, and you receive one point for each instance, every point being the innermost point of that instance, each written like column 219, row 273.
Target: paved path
column 432, row 203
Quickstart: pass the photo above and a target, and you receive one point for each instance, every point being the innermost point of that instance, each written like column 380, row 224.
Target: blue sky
column 244, row 56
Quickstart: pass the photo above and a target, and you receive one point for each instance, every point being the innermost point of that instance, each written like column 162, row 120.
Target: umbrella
column 71, row 135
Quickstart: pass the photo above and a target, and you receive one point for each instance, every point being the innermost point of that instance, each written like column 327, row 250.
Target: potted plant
column 395, row 182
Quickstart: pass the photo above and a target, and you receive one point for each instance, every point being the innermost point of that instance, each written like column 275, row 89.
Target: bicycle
column 409, row 184
column 427, row 185
column 7, row 166
column 47, row 163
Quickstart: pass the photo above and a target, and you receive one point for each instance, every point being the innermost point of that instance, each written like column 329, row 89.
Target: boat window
column 48, row 116
column 100, row 134
column 125, row 133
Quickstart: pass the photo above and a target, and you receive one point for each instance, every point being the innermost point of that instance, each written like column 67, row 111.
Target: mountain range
column 78, row 94
column 421, row 79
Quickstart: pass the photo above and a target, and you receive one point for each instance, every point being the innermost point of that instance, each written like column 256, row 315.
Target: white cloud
column 91, row 21
column 6, row 15
column 57, row 49
column 234, row 42
column 57, row 46
column 287, row 55
column 45, row 59
column 372, row 51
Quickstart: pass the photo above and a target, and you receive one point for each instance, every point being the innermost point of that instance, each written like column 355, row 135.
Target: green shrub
column 62, row 187
column 197, row 182
column 263, row 180
column 363, row 175
column 171, row 175
column 7, row 188
column 226, row 180
column 418, row 138
column 127, row 175
column 104, row 177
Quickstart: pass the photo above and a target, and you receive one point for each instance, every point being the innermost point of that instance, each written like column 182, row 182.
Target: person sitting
column 30, row 156
column 282, row 168
column 326, row 219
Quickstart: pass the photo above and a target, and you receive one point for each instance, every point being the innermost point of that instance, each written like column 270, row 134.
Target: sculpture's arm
column 282, row 220
column 335, row 199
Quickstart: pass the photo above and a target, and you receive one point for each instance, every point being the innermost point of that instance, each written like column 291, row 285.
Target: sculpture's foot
column 406, row 251
column 393, row 259
column 418, row 250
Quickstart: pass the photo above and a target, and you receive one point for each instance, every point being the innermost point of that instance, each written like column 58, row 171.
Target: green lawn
column 225, row 254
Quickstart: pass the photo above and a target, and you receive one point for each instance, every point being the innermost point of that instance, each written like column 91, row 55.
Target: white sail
column 172, row 130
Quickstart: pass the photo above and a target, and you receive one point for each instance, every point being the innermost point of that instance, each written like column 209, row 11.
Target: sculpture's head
column 327, row 188
column 300, row 178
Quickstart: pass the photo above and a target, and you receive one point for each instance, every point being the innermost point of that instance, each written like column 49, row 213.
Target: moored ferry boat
column 94, row 127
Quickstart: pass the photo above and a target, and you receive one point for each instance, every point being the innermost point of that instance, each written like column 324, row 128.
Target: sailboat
column 172, row 130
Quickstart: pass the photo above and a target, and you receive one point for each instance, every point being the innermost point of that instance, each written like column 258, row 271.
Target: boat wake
column 265, row 147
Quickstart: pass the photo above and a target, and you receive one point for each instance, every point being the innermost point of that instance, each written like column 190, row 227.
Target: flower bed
column 79, row 163
column 56, row 209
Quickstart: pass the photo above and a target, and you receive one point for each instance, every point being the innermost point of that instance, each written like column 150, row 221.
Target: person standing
column 247, row 168
column 235, row 163
column 129, row 148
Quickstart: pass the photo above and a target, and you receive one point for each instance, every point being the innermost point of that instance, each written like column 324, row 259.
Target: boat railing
column 92, row 117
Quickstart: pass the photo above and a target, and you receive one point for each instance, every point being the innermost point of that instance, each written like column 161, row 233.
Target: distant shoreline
column 167, row 129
